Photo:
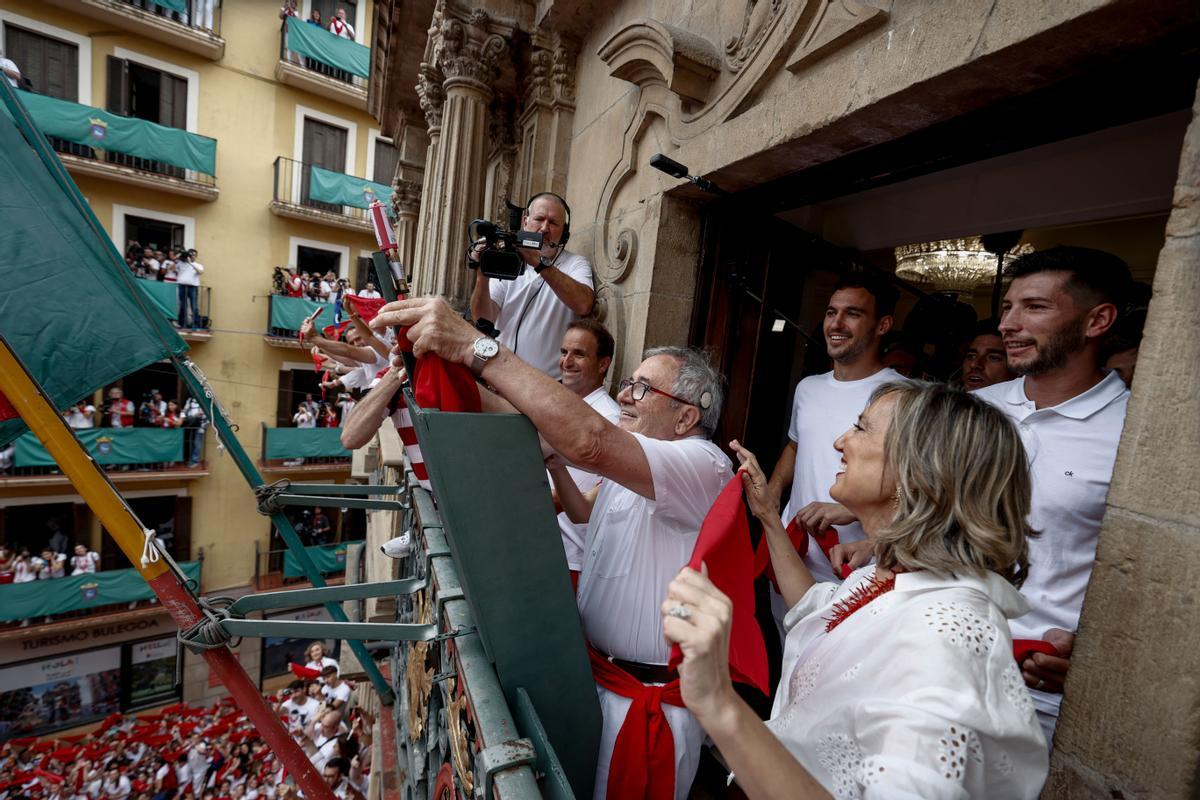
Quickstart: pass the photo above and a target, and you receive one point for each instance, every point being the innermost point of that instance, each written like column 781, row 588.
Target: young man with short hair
column 1056, row 316
column 984, row 361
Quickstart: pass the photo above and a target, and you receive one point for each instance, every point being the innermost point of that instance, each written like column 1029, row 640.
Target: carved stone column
column 466, row 55
column 432, row 98
column 549, row 112
column 406, row 202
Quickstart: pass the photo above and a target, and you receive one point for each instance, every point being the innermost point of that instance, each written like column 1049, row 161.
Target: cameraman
column 533, row 311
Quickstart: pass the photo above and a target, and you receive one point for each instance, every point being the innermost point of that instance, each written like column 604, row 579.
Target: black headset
column 566, row 234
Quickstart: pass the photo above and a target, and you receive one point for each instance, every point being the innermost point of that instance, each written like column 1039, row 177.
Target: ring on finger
column 1041, row 684
column 679, row 612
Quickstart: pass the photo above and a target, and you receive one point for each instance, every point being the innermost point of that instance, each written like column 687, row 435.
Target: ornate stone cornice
column 431, row 95
column 406, row 196
column 469, row 51
column 550, row 81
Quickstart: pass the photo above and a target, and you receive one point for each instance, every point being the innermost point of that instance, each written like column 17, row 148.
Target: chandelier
column 951, row 265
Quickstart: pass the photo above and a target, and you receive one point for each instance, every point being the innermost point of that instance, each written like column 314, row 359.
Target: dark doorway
column 328, row 9
column 32, row 526
column 139, row 91
column 294, row 386
column 317, row 262
column 154, row 233
column 324, row 147
column 168, row 516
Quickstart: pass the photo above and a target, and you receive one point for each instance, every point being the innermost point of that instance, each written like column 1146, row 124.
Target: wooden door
column 325, row 147
column 51, row 65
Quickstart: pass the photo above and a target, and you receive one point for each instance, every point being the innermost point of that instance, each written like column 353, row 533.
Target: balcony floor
column 320, row 216
column 134, row 177
column 296, row 75
column 115, row 475
column 151, row 26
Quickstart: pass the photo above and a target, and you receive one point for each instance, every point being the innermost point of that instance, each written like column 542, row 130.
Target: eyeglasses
column 638, row 389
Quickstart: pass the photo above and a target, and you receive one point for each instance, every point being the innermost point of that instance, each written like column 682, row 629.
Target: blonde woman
column 900, row 682
column 318, row 660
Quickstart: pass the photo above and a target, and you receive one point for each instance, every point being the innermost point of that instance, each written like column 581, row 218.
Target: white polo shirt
column 1071, row 447
column 823, row 408
column 532, row 319
column 573, row 535
column 635, row 545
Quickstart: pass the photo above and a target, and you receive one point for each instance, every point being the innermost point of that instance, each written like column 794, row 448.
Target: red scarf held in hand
column 724, row 546
column 643, row 758
column 826, row 540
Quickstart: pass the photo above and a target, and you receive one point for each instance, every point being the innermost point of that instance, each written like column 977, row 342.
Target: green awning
column 69, row 309
column 129, row 135
column 38, row 599
column 110, row 446
column 172, row 5
column 288, row 313
column 328, row 558
column 164, row 295
column 347, row 190
column 316, row 42
column 305, row 443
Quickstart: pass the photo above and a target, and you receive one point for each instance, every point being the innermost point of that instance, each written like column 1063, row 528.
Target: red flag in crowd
column 303, row 672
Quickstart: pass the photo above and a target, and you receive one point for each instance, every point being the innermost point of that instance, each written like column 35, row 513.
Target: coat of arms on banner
column 104, row 446
column 369, row 195
column 99, row 129
column 339, row 555
column 90, row 591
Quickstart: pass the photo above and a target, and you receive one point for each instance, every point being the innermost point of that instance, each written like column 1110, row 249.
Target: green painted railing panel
column 316, row 42
column 346, row 190
column 289, row 312
column 328, row 558
column 96, row 127
column 109, row 446
column 38, row 599
column 304, row 443
column 164, row 295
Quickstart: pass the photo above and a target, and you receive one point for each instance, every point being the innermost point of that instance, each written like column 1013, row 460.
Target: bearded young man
column 824, row 407
column 1056, row 315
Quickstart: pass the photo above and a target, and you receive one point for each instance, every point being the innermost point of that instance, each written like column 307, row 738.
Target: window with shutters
column 48, row 66
column 135, row 90
column 387, row 158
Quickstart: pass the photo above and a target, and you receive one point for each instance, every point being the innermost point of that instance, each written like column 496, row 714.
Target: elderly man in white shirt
column 1070, row 412
column 660, row 476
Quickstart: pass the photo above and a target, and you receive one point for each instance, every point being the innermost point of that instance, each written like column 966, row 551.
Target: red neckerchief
column 859, row 597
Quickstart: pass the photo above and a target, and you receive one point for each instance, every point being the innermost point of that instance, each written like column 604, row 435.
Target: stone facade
column 575, row 96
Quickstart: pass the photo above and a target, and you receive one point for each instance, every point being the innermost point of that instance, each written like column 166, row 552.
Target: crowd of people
column 928, row 542
column 177, row 266
column 56, row 560
column 202, row 752
column 311, row 413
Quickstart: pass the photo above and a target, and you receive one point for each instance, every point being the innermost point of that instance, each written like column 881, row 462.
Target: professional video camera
column 500, row 258
column 279, row 280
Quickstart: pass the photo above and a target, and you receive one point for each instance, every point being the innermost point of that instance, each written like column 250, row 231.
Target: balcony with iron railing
column 190, row 25
column 311, row 193
column 103, row 144
column 303, row 450
column 165, row 296
column 280, row 567
column 313, row 59
column 128, row 455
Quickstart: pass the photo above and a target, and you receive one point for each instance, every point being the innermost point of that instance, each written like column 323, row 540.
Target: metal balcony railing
column 191, row 18
column 298, row 447
column 313, row 65
column 292, row 187
column 133, row 162
column 27, row 458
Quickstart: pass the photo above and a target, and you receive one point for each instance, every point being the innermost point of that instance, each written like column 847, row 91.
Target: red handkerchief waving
column 724, row 546
column 440, row 384
column 304, row 673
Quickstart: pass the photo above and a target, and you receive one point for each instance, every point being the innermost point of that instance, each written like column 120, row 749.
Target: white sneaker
column 399, row 547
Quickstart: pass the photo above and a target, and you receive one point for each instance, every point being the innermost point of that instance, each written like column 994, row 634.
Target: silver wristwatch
column 485, row 348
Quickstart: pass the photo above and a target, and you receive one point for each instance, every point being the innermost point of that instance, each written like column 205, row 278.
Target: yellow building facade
column 272, row 113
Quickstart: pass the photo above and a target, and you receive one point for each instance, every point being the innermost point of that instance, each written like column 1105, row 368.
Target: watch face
column 486, row 348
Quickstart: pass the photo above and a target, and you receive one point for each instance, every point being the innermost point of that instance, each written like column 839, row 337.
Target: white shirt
column 6, row 63
column 341, row 28
column 823, row 408
column 299, row 713
column 79, row 417
column 325, row 661
column 532, row 319
column 369, row 294
column 573, row 535
column 304, row 420
column 341, row 692
column 915, row 694
column 187, row 273
column 635, row 545
column 1072, row 448
column 81, row 565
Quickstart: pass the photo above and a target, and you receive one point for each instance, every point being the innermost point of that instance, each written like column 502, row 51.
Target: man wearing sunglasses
column 660, row 474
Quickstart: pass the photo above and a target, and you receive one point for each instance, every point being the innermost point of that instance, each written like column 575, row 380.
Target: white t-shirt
column 6, row 63
column 81, row 565
column 303, row 419
column 1072, row 448
column 635, row 545
column 325, row 661
column 824, row 408
column 300, row 714
column 369, row 294
column 341, row 692
column 81, row 416
column 573, row 535
column 532, row 319
column 187, row 273
column 915, row 694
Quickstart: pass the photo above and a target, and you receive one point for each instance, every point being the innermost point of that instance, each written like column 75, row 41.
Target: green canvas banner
column 173, row 5
column 163, row 294
column 66, row 286
column 109, row 446
column 347, row 190
column 328, row 558
column 289, row 312
column 134, row 137
column 38, row 599
column 305, row 443
column 316, row 42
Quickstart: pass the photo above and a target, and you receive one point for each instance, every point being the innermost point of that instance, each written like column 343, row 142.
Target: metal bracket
column 454, row 634
column 344, row 488
column 295, row 598
column 282, row 499
column 499, row 757
column 321, row 629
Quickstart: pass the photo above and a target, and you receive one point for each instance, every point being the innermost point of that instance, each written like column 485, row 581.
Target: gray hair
column 696, row 378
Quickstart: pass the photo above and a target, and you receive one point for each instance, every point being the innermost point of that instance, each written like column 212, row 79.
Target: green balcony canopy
column 38, row 599
column 317, row 43
column 304, row 443
column 287, row 313
column 346, row 190
column 95, row 127
column 66, row 286
column 172, row 5
column 109, row 446
column 164, row 295
column 328, row 558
